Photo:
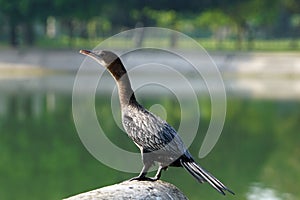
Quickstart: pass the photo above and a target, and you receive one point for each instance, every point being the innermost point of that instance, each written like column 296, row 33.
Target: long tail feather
column 203, row 176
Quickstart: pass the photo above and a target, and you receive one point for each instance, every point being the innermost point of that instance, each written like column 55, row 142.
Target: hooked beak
column 86, row 52
column 93, row 55
column 89, row 53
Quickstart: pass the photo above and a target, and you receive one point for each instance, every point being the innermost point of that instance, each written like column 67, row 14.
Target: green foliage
column 93, row 18
column 98, row 25
column 164, row 18
column 213, row 20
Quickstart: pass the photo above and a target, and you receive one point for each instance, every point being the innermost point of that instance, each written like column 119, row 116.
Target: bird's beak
column 89, row 53
column 93, row 55
column 86, row 52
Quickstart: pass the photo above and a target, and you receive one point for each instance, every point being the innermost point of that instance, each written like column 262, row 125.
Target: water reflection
column 26, row 105
column 258, row 192
column 249, row 87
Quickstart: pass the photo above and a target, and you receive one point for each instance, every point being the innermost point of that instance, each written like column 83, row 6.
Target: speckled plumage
column 151, row 133
column 157, row 140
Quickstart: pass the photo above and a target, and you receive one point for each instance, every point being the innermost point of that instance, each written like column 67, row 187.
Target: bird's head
column 108, row 60
column 105, row 58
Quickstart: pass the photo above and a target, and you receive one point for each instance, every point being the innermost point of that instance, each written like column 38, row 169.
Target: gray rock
column 135, row 190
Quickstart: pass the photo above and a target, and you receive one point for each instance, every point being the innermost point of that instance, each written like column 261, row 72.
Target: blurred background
column 255, row 44
column 228, row 25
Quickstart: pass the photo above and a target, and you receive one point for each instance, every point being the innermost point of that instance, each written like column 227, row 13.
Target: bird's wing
column 152, row 133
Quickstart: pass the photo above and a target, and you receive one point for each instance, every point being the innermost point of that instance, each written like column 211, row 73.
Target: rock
column 134, row 190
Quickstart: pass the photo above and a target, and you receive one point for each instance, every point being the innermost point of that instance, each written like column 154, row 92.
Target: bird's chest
column 140, row 127
column 135, row 125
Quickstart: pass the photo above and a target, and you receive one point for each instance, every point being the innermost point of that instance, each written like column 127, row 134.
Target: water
column 42, row 157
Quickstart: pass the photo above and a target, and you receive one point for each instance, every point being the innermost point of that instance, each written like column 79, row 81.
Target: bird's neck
column 126, row 93
column 119, row 73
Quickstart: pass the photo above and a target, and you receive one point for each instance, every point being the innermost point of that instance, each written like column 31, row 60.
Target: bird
column 157, row 140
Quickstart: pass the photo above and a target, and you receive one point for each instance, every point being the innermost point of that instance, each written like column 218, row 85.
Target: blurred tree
column 165, row 18
column 12, row 13
column 69, row 12
column 292, row 7
column 239, row 13
column 217, row 22
column 21, row 15
column 98, row 26
column 247, row 15
column 89, row 19
column 261, row 16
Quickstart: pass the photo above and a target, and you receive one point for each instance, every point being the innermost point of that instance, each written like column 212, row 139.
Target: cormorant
column 157, row 140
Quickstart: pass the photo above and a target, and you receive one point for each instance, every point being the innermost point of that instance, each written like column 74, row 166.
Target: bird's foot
column 144, row 178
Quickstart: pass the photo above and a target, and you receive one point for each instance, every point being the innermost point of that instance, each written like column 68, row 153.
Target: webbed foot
column 143, row 178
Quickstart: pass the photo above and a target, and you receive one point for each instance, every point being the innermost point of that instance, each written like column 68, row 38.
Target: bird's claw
column 138, row 178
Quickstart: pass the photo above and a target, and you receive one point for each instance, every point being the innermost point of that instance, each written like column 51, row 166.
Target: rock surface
column 135, row 190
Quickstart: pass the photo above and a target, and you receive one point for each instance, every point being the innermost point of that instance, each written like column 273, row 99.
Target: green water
column 42, row 157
